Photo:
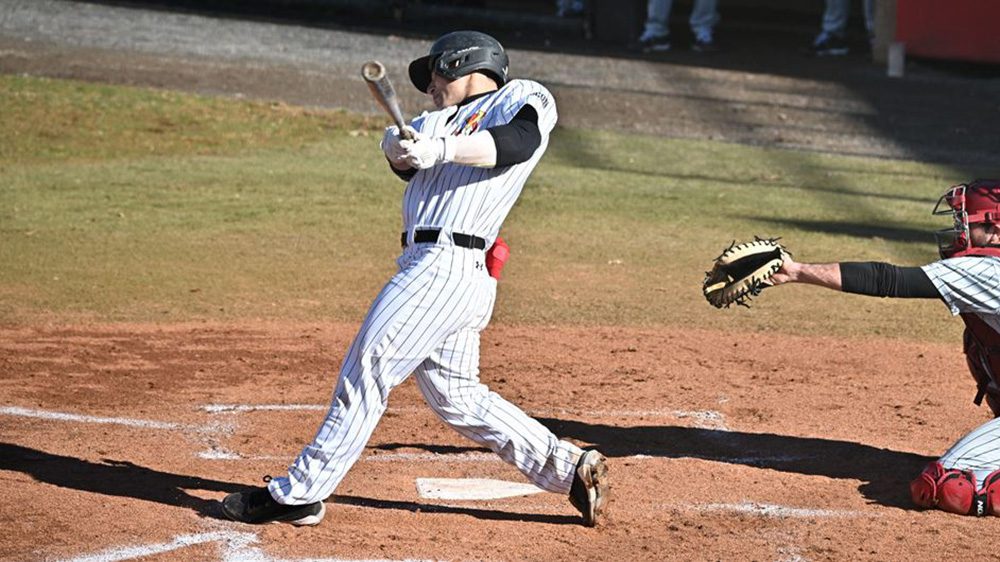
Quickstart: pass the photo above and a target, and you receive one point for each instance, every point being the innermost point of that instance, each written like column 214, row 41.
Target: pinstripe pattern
column 427, row 319
column 468, row 199
column 979, row 451
column 972, row 285
column 969, row 284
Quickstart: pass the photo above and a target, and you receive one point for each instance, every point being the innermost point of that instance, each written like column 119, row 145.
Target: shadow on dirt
column 115, row 478
column 488, row 514
column 885, row 473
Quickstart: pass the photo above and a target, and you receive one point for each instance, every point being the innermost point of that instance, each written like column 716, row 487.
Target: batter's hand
column 426, row 152
column 391, row 143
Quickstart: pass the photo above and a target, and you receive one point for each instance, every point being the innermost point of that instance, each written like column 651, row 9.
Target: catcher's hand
column 742, row 271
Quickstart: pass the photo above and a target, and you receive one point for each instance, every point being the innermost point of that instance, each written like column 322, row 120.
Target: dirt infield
column 116, row 441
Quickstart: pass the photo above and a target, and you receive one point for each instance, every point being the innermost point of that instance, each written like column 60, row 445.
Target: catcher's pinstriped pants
column 978, row 451
column 426, row 321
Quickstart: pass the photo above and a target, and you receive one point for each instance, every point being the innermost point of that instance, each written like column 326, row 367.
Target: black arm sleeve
column 517, row 141
column 886, row 280
column 405, row 175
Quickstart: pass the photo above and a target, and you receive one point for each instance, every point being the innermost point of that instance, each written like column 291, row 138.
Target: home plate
column 472, row 489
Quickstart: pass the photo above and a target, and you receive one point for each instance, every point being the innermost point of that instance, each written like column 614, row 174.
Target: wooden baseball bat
column 381, row 88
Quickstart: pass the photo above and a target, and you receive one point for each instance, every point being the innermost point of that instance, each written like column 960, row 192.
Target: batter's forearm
column 477, row 149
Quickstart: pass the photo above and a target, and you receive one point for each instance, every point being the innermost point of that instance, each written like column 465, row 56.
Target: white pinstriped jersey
column 969, row 284
column 468, row 199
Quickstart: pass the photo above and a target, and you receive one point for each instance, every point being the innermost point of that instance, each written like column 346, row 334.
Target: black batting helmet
column 459, row 53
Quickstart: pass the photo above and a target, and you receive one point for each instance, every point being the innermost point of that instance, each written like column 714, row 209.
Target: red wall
column 953, row 29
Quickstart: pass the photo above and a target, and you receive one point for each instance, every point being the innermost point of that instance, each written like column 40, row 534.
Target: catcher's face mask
column 978, row 202
column 955, row 239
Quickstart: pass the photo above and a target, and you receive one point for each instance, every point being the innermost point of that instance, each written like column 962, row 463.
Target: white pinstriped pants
column 978, row 451
column 426, row 321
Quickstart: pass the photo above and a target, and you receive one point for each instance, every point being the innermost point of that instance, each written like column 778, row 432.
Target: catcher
column 966, row 479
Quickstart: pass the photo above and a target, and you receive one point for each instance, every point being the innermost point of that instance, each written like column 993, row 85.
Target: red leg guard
column 956, row 491
column 991, row 493
column 923, row 488
column 950, row 490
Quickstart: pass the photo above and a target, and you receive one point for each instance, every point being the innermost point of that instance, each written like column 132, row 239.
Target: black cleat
column 589, row 493
column 654, row 44
column 705, row 46
column 256, row 506
column 829, row 46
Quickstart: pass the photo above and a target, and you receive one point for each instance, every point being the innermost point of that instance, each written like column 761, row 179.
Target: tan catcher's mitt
column 741, row 271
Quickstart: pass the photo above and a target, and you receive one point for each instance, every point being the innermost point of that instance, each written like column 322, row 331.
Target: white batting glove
column 391, row 143
column 425, row 152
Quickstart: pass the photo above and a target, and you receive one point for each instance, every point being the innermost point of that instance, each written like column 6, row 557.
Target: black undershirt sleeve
column 517, row 141
column 879, row 279
column 405, row 175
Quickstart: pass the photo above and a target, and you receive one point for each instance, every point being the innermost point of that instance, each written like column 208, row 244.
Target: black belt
column 459, row 239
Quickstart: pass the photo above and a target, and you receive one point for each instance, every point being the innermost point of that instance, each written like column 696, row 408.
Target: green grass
column 131, row 204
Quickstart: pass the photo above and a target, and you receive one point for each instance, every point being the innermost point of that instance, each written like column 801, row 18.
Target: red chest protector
column 982, row 347
column 982, row 352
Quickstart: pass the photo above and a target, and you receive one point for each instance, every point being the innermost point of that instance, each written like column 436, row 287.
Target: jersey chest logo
column 471, row 124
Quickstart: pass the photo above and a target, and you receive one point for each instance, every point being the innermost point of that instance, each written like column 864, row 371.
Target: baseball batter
column 465, row 167
column 966, row 479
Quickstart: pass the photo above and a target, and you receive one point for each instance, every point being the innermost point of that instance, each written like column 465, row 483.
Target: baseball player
column 966, row 479
column 465, row 165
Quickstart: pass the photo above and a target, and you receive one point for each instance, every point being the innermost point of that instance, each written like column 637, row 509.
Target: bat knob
column 373, row 70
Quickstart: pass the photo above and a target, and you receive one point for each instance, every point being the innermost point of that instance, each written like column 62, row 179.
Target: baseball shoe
column 256, row 506
column 705, row 45
column 827, row 45
column 589, row 492
column 652, row 44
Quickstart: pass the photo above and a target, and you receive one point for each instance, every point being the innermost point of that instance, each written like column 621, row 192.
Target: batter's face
column 448, row 92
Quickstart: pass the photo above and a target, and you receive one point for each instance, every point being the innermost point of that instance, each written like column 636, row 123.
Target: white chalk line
column 705, row 419
column 233, row 547
column 778, row 511
column 217, row 452
column 130, row 552
column 80, row 418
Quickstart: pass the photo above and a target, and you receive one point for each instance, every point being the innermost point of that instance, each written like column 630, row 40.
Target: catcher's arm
column 822, row 274
column 874, row 279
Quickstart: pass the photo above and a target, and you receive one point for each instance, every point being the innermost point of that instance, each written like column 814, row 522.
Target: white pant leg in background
column 449, row 380
column 438, row 292
column 978, row 451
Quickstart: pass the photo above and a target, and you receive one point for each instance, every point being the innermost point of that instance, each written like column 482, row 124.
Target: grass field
column 131, row 204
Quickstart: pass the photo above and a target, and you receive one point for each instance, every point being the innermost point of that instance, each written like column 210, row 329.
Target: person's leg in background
column 704, row 17
column 656, row 33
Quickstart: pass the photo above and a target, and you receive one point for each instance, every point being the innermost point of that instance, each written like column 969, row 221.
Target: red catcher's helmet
column 971, row 203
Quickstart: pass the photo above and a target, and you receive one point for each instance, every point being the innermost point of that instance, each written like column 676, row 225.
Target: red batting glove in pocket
column 496, row 257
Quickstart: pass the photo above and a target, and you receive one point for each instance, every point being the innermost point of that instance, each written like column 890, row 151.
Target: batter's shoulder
column 525, row 91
